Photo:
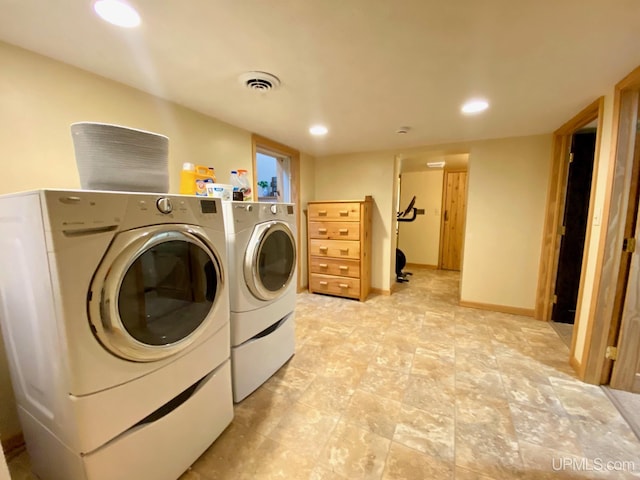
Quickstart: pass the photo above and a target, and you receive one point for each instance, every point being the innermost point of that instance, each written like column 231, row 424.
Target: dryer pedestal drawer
column 342, row 286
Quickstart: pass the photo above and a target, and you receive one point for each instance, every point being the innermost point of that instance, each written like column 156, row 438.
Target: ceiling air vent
column 261, row 81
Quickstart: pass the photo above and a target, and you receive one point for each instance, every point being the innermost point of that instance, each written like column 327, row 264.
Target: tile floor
column 411, row 386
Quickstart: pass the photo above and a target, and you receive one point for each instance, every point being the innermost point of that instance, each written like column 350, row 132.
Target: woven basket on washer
column 112, row 157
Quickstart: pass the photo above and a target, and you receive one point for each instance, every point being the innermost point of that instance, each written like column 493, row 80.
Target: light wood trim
column 365, row 236
column 608, row 260
column 586, row 116
column 422, row 265
column 258, row 142
column 556, row 195
column 12, row 444
column 380, row 291
column 525, row 312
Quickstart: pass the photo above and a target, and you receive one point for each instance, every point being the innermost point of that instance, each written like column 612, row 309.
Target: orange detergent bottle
column 194, row 179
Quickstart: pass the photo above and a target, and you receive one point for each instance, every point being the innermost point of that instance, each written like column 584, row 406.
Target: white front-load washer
column 262, row 273
column 115, row 316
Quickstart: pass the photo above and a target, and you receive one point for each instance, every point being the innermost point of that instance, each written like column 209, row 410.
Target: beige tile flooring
column 411, row 386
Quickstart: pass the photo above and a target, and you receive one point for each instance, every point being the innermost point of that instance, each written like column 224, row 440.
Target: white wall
column 505, row 213
column 352, row 177
column 420, row 240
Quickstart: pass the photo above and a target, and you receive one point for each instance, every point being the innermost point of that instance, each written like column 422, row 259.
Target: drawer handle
column 323, row 249
column 343, row 285
column 322, row 230
column 323, row 283
column 343, row 267
column 344, row 230
column 344, row 213
column 345, row 250
column 323, row 265
column 322, row 212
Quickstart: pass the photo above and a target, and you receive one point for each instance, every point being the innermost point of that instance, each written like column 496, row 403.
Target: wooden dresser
column 339, row 247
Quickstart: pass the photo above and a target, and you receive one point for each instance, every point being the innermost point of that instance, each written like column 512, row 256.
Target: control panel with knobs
column 164, row 205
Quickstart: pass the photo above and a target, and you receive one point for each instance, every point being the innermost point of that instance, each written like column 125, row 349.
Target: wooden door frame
column 258, row 142
column 597, row 367
column 591, row 367
column 556, row 196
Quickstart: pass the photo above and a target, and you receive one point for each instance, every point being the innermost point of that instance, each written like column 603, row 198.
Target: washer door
column 270, row 260
column 154, row 291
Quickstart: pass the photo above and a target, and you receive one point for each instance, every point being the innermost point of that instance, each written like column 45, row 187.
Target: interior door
column 626, row 369
column 575, row 226
column 455, row 207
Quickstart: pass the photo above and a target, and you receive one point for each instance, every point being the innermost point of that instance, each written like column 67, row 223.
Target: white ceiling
column 362, row 67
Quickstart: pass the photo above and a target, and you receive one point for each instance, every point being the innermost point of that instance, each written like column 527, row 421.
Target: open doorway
column 438, row 182
column 574, row 224
column 568, row 209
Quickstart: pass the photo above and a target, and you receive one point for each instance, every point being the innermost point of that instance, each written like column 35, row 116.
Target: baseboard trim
column 422, row 265
column 525, row 312
column 380, row 291
column 12, row 444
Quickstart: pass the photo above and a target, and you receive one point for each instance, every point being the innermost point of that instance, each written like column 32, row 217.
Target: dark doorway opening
column 574, row 226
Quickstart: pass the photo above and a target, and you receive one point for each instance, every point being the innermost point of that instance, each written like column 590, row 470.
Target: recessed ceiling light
column 318, row 130
column 475, row 106
column 435, row 164
column 117, row 12
column 403, row 130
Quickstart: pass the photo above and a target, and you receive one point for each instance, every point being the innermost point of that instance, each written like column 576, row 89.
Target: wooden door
column 574, row 226
column 455, row 207
column 626, row 369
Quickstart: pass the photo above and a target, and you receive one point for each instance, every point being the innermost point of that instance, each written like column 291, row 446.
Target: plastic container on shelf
column 220, row 190
column 245, row 184
column 194, row 179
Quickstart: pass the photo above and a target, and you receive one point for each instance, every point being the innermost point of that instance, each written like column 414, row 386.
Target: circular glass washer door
column 270, row 260
column 154, row 291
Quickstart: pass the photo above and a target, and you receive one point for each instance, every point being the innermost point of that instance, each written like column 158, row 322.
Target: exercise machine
column 408, row 215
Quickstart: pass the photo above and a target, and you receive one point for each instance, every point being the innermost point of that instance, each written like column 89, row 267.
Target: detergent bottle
column 245, row 184
column 194, row 179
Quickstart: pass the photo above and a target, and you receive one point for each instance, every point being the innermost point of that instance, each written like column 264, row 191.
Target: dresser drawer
column 335, row 266
column 343, row 286
column 334, row 248
column 335, row 230
column 342, row 212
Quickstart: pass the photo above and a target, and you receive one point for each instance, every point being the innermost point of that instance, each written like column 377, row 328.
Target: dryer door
column 270, row 260
column 155, row 291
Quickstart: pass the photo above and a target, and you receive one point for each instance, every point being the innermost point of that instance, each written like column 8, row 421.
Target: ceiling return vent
column 260, row 81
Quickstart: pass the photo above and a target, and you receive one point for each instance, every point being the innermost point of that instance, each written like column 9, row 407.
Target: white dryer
column 262, row 292
column 115, row 317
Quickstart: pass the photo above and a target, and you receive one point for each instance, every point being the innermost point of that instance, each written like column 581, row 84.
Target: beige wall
column 307, row 192
column 41, row 98
column 506, row 205
column 352, row 177
column 420, row 240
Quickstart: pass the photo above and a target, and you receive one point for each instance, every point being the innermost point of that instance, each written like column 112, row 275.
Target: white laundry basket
column 112, row 157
